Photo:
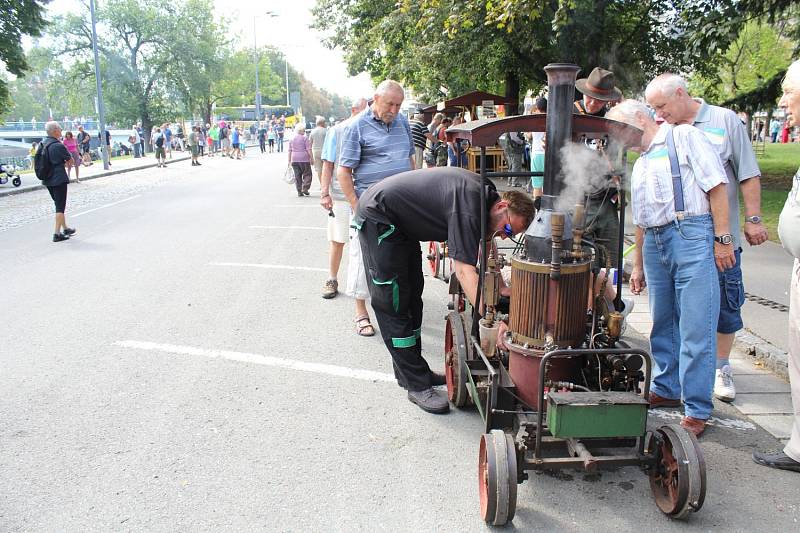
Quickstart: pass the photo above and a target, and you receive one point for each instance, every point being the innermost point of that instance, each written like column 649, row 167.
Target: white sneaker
column 723, row 384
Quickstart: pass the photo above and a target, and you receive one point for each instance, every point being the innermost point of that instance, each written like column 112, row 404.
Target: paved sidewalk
column 760, row 394
column 31, row 183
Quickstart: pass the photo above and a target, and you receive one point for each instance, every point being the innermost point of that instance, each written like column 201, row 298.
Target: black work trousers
column 393, row 263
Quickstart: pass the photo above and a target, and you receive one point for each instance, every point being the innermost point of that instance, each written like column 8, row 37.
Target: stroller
column 6, row 172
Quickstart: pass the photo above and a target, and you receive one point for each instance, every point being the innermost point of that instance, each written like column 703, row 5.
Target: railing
column 39, row 126
column 19, row 163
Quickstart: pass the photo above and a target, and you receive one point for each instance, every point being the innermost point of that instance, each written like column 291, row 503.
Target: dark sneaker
column 306, row 193
column 430, row 400
column 330, row 289
column 776, row 460
column 58, row 237
column 69, row 231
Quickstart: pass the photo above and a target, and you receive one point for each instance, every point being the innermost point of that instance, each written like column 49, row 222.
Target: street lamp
column 285, row 63
column 255, row 60
column 100, row 107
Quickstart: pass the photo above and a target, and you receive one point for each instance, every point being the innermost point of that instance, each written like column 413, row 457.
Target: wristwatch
column 755, row 219
column 725, row 238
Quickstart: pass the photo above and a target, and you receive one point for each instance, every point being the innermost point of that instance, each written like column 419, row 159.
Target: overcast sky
column 289, row 32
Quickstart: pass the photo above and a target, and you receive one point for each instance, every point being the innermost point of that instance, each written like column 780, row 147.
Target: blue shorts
column 731, row 297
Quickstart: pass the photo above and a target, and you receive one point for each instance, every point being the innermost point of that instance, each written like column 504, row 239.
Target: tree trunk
column 512, row 93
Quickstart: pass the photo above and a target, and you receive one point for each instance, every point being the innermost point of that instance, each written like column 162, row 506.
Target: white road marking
column 730, row 423
column 104, row 206
column 244, row 357
column 276, row 267
column 290, row 206
column 288, row 227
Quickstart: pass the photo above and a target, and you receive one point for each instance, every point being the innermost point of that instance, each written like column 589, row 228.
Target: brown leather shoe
column 659, row 401
column 695, row 425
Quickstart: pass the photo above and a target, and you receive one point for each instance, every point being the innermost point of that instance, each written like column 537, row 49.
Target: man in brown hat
column 598, row 91
column 602, row 218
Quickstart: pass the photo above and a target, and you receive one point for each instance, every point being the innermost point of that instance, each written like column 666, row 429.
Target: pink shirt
column 299, row 149
column 71, row 144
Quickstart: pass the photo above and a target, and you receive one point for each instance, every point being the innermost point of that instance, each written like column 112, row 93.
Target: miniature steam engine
column 568, row 393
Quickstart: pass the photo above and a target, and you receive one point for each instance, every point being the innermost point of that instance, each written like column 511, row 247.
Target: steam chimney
column 561, row 94
column 561, row 98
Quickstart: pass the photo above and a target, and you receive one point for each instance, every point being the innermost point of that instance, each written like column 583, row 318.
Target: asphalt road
column 173, row 368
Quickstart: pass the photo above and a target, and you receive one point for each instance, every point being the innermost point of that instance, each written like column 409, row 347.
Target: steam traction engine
column 568, row 393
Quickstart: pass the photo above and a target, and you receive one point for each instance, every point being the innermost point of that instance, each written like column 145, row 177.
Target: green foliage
column 17, row 18
column 495, row 44
column 746, row 73
column 158, row 61
column 711, row 26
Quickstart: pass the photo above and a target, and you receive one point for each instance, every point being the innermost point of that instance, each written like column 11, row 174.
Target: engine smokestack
column 561, row 94
column 561, row 98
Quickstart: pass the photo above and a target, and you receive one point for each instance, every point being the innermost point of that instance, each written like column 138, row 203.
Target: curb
column 773, row 358
column 20, row 190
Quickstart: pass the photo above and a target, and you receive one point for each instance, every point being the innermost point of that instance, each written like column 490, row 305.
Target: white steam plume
column 583, row 170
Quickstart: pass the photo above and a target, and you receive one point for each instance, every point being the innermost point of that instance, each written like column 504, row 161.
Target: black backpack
column 160, row 141
column 42, row 166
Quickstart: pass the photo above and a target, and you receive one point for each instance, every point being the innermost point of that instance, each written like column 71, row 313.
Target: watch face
column 755, row 219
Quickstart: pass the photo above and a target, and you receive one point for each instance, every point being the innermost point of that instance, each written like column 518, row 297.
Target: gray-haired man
column 669, row 96
column 375, row 145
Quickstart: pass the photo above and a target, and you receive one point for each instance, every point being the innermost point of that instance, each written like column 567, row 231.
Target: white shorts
column 356, row 275
column 339, row 224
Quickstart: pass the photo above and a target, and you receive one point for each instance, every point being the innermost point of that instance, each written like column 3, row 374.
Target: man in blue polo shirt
column 375, row 145
column 669, row 96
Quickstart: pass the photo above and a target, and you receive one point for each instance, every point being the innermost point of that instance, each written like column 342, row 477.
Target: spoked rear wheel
column 435, row 258
column 456, row 350
column 497, row 477
column 678, row 480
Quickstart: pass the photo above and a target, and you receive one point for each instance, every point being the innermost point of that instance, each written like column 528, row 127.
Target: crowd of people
column 382, row 201
column 696, row 161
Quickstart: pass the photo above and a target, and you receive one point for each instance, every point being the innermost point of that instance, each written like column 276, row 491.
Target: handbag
column 288, row 176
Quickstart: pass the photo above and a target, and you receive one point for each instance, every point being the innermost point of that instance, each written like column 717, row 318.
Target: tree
column 711, row 26
column 500, row 45
column 760, row 52
column 17, row 18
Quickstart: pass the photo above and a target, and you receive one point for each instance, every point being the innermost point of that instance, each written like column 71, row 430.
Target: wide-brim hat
column 600, row 85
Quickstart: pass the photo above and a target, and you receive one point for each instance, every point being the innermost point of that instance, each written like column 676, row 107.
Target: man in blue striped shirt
column 375, row 145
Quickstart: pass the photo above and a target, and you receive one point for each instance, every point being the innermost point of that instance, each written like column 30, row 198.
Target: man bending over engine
column 392, row 217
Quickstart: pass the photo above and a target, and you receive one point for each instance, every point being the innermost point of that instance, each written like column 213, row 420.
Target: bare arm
column 468, row 278
column 751, row 193
column 723, row 253
column 345, row 177
column 637, row 282
column 325, row 199
column 413, row 163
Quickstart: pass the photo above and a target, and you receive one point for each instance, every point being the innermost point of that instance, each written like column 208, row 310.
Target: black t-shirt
column 58, row 156
column 434, row 204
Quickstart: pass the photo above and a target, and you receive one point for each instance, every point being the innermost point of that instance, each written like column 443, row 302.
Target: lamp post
column 100, row 107
column 285, row 62
column 255, row 60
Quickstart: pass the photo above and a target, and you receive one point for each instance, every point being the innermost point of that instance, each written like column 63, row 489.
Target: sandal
column 364, row 326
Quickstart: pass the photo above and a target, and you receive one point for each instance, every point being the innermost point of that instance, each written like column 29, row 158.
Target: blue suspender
column 677, row 186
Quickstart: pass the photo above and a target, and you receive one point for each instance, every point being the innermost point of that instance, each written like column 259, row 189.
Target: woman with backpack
column 159, row 140
column 441, row 144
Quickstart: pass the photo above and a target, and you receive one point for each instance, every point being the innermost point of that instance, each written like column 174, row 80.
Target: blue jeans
column 684, row 303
